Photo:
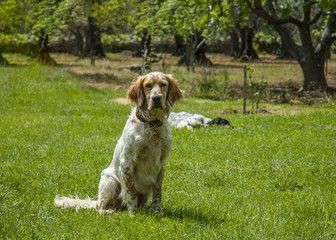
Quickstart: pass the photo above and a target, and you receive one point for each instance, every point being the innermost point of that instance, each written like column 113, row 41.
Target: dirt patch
column 230, row 111
column 103, row 85
column 123, row 101
column 284, row 77
column 263, row 110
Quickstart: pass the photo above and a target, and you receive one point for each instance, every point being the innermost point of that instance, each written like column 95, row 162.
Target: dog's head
column 154, row 91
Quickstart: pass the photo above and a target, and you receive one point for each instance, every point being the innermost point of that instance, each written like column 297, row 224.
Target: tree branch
column 258, row 9
column 317, row 17
column 205, row 39
column 333, row 36
column 329, row 13
column 328, row 37
column 306, row 11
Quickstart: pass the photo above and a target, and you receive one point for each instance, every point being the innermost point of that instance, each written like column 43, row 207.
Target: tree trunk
column 287, row 43
column 313, row 73
column 3, row 61
column 179, row 46
column 190, row 58
column 247, row 52
column 311, row 59
column 145, row 44
column 193, row 54
column 285, row 52
column 234, row 43
column 78, row 48
column 311, row 62
column 43, row 55
column 147, row 53
column 91, row 45
column 94, row 37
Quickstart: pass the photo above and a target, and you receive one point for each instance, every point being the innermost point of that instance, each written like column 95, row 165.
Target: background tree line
column 304, row 30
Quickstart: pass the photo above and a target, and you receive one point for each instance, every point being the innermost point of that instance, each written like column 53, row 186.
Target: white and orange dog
column 138, row 164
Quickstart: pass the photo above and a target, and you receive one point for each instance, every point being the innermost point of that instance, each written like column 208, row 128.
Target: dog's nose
column 156, row 101
column 156, row 98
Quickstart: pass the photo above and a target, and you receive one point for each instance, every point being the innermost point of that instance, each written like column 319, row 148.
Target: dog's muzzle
column 156, row 102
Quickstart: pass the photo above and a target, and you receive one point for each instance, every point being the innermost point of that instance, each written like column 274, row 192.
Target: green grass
column 271, row 177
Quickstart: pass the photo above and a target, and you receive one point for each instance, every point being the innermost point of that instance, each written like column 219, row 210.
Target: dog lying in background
column 183, row 119
column 139, row 158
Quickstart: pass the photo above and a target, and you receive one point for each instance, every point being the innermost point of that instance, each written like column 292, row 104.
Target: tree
column 8, row 13
column 44, row 26
column 87, row 20
column 195, row 21
column 72, row 16
column 303, row 15
column 179, row 45
column 241, row 28
column 285, row 49
column 247, row 32
column 79, row 18
column 93, row 36
column 148, row 29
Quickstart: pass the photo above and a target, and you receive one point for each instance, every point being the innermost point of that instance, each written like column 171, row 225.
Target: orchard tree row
column 306, row 28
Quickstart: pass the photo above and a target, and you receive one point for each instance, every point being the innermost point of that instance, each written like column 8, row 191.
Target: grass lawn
column 271, row 177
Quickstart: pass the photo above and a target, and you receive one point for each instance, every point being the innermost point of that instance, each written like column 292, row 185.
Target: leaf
column 286, row 11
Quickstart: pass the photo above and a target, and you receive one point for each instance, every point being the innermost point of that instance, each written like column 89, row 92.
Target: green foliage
column 13, row 18
column 115, row 16
column 327, row 5
column 185, row 18
column 149, row 20
column 258, row 88
column 43, row 18
column 190, row 17
column 71, row 14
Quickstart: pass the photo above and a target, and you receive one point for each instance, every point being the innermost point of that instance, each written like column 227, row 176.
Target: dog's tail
column 75, row 202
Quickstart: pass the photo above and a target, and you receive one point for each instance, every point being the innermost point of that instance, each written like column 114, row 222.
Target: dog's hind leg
column 109, row 191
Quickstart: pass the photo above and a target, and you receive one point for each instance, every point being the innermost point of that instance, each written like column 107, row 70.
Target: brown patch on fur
column 135, row 93
column 157, row 189
column 174, row 93
column 127, row 177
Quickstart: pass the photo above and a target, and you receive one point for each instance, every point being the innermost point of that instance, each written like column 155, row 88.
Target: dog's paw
column 132, row 211
column 158, row 211
column 107, row 211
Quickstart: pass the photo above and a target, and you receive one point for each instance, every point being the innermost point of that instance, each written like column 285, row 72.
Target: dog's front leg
column 127, row 183
column 156, row 203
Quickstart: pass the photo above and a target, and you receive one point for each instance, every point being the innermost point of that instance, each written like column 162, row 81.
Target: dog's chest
column 153, row 149
column 151, row 158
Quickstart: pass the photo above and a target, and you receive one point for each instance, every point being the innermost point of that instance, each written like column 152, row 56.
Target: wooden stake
column 244, row 89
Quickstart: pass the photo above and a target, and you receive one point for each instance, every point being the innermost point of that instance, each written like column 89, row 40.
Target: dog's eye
column 148, row 85
column 163, row 84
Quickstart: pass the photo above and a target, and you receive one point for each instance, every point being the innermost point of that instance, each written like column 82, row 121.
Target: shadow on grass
column 193, row 215
column 14, row 65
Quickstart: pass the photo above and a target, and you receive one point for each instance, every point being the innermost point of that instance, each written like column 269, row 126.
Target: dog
column 139, row 158
column 189, row 120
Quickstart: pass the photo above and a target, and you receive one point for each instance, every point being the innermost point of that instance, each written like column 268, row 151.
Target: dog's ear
column 174, row 93
column 135, row 93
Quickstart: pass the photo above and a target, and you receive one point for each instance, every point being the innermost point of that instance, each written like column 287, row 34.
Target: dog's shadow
column 191, row 214
column 181, row 214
